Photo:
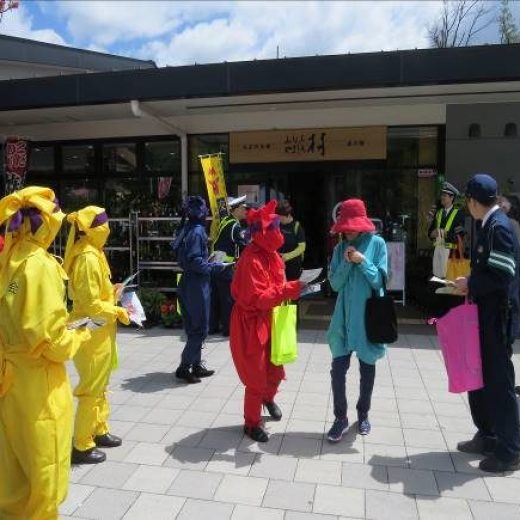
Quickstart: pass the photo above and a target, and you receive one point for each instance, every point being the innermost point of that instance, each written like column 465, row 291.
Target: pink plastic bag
column 458, row 333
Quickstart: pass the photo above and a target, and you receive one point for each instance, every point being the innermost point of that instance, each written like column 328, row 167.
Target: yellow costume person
column 93, row 295
column 35, row 394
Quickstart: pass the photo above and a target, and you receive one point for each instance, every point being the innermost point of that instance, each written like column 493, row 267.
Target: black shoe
column 107, row 441
column 186, row 374
column 257, row 433
column 477, row 446
column 493, row 465
column 202, row 371
column 91, row 456
column 274, row 410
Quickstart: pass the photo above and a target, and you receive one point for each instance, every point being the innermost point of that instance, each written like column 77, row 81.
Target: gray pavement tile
column 156, row 507
column 121, row 428
column 147, row 453
column 119, row 453
column 456, row 424
column 130, row 413
column 384, row 404
column 443, row 508
column 204, row 403
column 305, row 412
column 176, row 401
column 184, row 436
column 215, row 390
column 461, row 485
column 187, row 457
column 389, row 419
column 77, row 494
column 110, row 474
column 318, row 471
column 243, row 512
column 151, row 479
column 237, row 463
column 195, row 484
column 337, row 500
column 429, row 458
column 147, row 432
column 274, row 467
column 364, row 476
column 466, row 463
column 412, row 481
column 503, row 489
column 382, row 505
column 385, row 455
column 162, row 416
column 349, row 449
column 452, row 410
column 494, row 510
column 299, row 446
column 305, row 428
column 423, row 438
column 107, row 504
column 419, row 420
column 297, row 496
column 196, row 419
column 297, row 515
column 415, row 406
column 385, row 435
column 203, row 510
column 222, row 439
column 241, row 490
column 77, row 472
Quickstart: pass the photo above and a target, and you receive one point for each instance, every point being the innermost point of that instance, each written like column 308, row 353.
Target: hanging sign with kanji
column 16, row 161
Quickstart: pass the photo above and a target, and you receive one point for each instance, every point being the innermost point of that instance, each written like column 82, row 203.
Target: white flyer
column 89, row 323
column 436, row 279
column 310, row 289
column 130, row 301
column 125, row 284
column 308, row 275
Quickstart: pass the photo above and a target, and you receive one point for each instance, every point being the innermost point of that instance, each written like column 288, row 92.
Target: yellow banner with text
column 216, row 185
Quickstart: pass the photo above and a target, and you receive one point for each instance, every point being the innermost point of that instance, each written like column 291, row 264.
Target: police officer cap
column 449, row 189
column 482, row 187
column 234, row 202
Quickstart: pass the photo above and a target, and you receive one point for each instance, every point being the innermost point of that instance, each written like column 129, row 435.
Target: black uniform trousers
column 494, row 407
column 221, row 301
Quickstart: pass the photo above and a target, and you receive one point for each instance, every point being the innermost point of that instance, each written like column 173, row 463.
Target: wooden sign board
column 311, row 144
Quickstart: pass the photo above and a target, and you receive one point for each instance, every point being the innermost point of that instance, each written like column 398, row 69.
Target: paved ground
column 184, row 454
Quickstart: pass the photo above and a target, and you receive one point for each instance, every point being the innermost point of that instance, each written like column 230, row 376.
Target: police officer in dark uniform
column 228, row 244
column 493, row 285
column 448, row 218
column 294, row 241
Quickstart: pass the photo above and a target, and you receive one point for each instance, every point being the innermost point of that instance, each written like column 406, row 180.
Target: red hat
column 260, row 219
column 352, row 218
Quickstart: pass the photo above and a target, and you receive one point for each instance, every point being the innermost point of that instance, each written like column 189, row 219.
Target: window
column 41, row 159
column 162, row 157
column 474, row 131
column 119, row 158
column 79, row 159
column 510, row 130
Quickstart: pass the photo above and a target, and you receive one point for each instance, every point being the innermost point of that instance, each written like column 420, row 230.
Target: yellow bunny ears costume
column 92, row 222
column 32, row 214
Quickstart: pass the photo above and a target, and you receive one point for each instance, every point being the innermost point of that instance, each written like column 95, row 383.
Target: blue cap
column 482, row 187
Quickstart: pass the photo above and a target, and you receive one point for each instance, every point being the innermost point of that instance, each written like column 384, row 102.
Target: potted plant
column 169, row 315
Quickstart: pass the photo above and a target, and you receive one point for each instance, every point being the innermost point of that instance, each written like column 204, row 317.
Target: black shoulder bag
column 380, row 317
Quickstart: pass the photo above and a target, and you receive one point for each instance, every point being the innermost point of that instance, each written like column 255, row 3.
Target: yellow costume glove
column 122, row 316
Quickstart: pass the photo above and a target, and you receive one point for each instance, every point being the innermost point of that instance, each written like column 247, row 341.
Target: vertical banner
column 216, row 185
column 16, row 160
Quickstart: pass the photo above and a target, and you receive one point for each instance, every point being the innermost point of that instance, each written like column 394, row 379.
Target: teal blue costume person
column 358, row 267
column 193, row 292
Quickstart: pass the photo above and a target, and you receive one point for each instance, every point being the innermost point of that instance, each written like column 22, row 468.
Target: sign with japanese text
column 216, row 185
column 16, row 161
column 316, row 144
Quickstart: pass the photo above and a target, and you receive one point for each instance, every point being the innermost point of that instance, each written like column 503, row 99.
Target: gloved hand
column 122, row 316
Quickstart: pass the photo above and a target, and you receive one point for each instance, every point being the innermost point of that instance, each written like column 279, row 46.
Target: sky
column 179, row 33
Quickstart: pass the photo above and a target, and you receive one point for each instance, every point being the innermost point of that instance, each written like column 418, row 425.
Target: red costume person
column 258, row 286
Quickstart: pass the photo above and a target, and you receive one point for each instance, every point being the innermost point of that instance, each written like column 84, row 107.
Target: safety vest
column 225, row 224
column 448, row 225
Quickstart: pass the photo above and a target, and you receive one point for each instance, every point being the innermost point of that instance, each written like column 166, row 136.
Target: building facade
column 386, row 127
